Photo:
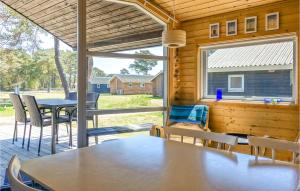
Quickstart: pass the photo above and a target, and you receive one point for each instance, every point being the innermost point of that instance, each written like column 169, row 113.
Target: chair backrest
column 13, row 176
column 92, row 97
column 195, row 114
column 34, row 111
column 20, row 112
column 274, row 144
column 72, row 96
column 203, row 135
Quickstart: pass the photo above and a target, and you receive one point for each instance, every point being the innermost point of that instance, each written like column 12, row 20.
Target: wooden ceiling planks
column 105, row 21
column 188, row 10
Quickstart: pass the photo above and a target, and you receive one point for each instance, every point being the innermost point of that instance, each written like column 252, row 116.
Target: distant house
column 131, row 84
column 158, row 84
column 101, row 84
column 267, row 71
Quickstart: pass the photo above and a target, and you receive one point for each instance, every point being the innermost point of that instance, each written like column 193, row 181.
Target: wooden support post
column 82, row 73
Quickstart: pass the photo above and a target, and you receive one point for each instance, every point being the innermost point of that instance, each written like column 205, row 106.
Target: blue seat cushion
column 6, row 187
column 196, row 114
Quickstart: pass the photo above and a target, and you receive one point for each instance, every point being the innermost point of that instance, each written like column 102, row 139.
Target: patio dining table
column 154, row 164
column 54, row 104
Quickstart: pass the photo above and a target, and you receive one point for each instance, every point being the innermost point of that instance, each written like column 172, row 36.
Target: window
column 107, row 85
column 236, row 83
column 98, row 86
column 142, row 85
column 252, row 70
column 130, row 84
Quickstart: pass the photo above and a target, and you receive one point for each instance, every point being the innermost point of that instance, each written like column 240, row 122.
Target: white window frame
column 203, row 92
column 230, row 89
column 142, row 85
column 130, row 84
column 108, row 85
column 98, row 86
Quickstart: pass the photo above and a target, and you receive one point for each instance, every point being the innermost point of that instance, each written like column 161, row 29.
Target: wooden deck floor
column 7, row 149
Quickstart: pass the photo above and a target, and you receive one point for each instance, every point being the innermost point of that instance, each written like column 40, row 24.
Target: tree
column 141, row 66
column 18, row 32
column 59, row 67
column 98, row 73
column 69, row 62
column 124, row 71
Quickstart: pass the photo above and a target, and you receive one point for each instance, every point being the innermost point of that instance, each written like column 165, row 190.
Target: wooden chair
column 202, row 135
column 274, row 144
column 20, row 115
column 14, row 176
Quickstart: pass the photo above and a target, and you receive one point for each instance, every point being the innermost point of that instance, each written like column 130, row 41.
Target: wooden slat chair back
column 13, row 176
column 202, row 135
column 274, row 144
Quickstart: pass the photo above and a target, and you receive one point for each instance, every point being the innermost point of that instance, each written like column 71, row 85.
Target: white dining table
column 145, row 163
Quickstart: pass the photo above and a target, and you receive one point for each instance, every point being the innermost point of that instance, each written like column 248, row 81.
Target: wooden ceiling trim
column 36, row 24
column 224, row 9
column 186, row 4
column 95, row 36
column 147, row 26
column 128, row 25
column 188, row 10
column 71, row 14
column 105, row 20
column 72, row 39
column 126, row 39
column 154, row 10
column 19, row 4
column 105, row 24
column 103, row 17
column 145, row 44
column 130, row 46
column 38, row 6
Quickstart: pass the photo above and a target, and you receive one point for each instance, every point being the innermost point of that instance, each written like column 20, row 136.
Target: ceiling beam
column 126, row 39
column 153, row 10
column 125, row 56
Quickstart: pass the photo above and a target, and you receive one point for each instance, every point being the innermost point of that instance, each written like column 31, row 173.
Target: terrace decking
column 7, row 149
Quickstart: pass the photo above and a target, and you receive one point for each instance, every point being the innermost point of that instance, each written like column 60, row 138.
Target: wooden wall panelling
column 280, row 121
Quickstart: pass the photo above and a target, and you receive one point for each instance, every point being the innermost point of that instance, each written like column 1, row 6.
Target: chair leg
column 30, row 127
column 40, row 141
column 24, row 135
column 94, row 126
column 70, row 135
column 57, row 133
column 15, row 133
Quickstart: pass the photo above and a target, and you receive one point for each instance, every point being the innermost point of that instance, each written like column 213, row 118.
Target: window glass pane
column 236, row 82
column 258, row 71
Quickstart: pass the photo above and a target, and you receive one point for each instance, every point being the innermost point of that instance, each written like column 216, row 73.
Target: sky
column 109, row 65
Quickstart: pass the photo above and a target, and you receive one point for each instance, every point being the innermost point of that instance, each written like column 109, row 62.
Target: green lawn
column 107, row 101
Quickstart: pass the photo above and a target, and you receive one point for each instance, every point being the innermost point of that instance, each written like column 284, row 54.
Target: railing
column 127, row 110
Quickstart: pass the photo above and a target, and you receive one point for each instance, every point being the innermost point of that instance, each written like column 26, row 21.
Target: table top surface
column 154, row 164
column 56, row 102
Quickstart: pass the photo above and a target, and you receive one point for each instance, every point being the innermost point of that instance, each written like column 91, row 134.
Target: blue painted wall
column 256, row 83
column 102, row 89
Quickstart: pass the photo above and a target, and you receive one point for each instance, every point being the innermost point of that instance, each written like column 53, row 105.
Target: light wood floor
column 7, row 149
